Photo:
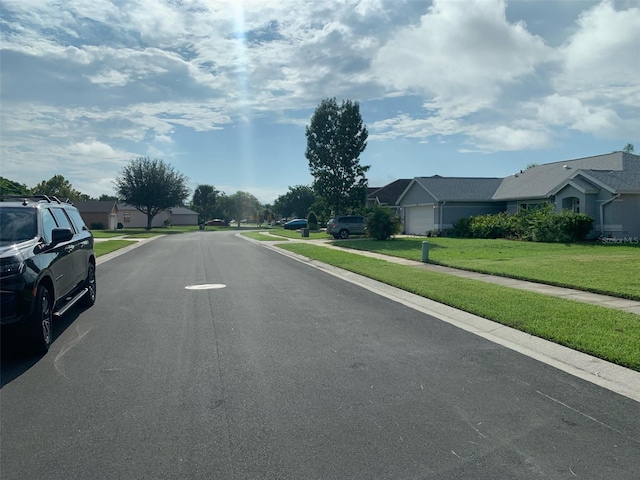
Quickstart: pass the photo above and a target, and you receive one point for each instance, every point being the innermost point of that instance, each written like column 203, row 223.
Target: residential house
column 131, row 217
column 388, row 195
column 183, row 216
column 96, row 213
column 434, row 204
column 605, row 187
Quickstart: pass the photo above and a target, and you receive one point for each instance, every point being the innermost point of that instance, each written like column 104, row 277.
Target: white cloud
column 603, row 51
column 460, row 55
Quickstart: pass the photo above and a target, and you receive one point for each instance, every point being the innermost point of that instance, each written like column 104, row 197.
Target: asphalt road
column 289, row 373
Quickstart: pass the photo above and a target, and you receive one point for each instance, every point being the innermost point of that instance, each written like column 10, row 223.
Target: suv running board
column 70, row 303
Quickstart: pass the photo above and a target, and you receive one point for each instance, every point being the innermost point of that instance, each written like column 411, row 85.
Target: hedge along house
column 96, row 213
column 605, row 187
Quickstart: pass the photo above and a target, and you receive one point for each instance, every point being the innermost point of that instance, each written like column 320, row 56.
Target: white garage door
column 419, row 220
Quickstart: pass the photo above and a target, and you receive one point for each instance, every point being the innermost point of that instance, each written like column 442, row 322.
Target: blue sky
column 223, row 89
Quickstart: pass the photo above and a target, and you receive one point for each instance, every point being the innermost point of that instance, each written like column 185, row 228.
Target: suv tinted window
column 76, row 219
column 61, row 218
column 48, row 224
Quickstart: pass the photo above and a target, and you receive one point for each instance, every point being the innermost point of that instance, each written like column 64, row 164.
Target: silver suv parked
column 345, row 225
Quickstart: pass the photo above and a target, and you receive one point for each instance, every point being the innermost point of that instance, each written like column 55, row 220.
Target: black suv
column 47, row 264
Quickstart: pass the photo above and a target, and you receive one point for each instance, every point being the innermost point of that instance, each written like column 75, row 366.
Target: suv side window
column 48, row 224
column 76, row 219
column 61, row 218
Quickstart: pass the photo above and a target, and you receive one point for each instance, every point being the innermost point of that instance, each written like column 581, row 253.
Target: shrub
column 540, row 224
column 96, row 226
column 381, row 224
column 120, row 226
column 312, row 221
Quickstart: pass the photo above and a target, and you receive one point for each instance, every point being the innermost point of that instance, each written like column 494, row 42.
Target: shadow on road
column 15, row 355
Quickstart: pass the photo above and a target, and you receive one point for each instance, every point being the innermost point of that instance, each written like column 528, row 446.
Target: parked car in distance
column 216, row 222
column 47, row 264
column 344, row 225
column 295, row 224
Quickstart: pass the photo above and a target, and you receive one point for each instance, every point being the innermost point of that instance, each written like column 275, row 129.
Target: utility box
column 305, row 232
column 425, row 252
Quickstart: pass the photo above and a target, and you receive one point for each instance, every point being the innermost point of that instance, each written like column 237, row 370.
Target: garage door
column 419, row 220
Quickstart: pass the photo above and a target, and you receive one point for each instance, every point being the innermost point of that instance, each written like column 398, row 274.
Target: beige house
column 108, row 214
column 99, row 214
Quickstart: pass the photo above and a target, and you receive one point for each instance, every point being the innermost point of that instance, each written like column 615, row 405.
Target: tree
column 9, row 187
column 151, row 186
column 297, row 200
column 241, row 205
column 335, row 139
column 60, row 187
column 110, row 198
column 628, row 148
column 205, row 199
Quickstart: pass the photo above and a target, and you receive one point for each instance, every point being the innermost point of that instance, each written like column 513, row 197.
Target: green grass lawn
column 313, row 235
column 594, row 267
column 606, row 333
column 102, row 248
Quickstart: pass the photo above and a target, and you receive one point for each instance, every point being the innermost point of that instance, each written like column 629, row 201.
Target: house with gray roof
column 605, row 187
column 388, row 195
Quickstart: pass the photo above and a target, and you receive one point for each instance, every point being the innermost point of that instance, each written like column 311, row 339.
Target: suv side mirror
column 59, row 235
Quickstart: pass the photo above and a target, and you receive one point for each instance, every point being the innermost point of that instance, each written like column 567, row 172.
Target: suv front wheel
column 41, row 322
column 90, row 284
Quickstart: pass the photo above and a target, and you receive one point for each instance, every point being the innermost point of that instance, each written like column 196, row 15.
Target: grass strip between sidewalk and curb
column 102, row 248
column 609, row 334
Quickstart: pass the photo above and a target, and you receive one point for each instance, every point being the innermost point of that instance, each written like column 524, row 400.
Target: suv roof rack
column 25, row 198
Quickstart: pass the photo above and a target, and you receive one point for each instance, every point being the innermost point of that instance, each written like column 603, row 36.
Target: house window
column 127, row 217
column 529, row 206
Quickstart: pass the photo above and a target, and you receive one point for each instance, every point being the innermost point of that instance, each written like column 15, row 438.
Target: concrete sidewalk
column 631, row 306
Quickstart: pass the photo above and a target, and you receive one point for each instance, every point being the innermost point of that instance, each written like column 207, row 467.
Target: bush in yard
column 96, row 226
column 381, row 224
column 462, row 227
column 312, row 221
column 540, row 224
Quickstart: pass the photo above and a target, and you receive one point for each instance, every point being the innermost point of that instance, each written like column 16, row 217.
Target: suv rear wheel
column 343, row 234
column 40, row 327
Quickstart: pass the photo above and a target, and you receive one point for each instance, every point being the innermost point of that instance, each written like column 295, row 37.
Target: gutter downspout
column 606, row 202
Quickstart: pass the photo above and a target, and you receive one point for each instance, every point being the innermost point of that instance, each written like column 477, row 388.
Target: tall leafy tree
column 241, row 205
column 297, row 201
column 110, row 198
column 151, row 186
column 59, row 187
column 205, row 199
column 336, row 137
column 9, row 187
